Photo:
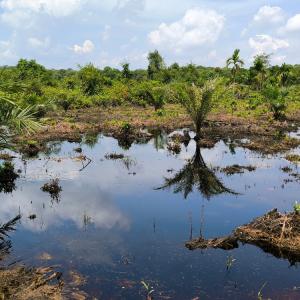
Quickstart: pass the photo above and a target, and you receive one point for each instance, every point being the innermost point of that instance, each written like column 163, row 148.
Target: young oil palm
column 198, row 101
column 14, row 119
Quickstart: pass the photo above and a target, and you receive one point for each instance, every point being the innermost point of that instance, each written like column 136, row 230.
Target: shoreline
column 264, row 135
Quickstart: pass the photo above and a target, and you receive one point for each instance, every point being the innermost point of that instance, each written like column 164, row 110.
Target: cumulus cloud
column 197, row 27
column 57, row 8
column 293, row 24
column 273, row 14
column 265, row 44
column 87, row 47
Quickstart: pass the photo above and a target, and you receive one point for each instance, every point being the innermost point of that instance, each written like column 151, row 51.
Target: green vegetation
column 297, row 207
column 30, row 90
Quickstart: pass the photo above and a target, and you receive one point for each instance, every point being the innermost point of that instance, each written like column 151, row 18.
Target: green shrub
column 276, row 98
column 90, row 79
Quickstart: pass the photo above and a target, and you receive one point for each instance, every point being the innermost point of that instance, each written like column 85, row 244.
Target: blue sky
column 65, row 33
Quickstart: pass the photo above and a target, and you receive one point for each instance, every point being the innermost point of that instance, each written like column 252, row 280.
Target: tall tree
column 91, row 79
column 260, row 67
column 126, row 73
column 156, row 63
column 236, row 62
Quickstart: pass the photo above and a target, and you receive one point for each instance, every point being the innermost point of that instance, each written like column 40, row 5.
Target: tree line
column 30, row 90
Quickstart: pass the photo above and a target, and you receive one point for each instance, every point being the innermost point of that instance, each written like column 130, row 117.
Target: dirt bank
column 274, row 232
column 138, row 124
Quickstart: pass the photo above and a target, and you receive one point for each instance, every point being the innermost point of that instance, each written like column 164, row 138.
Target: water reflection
column 96, row 204
column 114, row 228
column 196, row 174
column 8, row 177
column 5, row 244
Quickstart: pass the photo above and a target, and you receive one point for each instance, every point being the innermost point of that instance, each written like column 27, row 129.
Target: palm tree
column 198, row 102
column 196, row 174
column 236, row 62
column 14, row 119
column 284, row 74
column 5, row 244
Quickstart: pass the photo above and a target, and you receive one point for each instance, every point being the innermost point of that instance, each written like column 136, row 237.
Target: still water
column 114, row 227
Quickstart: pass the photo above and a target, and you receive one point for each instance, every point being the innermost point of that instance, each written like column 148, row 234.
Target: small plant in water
column 229, row 262
column 149, row 289
column 259, row 294
column 126, row 128
column 53, row 188
column 297, row 207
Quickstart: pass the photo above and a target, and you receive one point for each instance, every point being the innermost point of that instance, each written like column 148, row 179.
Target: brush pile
column 274, row 233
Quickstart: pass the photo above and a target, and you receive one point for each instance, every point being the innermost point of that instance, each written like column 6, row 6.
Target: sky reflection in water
column 112, row 226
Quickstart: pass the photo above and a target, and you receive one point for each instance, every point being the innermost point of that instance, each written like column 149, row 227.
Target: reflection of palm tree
column 196, row 173
column 5, row 244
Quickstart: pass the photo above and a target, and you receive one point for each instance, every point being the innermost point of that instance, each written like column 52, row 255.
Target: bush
column 148, row 93
column 117, row 94
column 276, row 98
column 90, row 79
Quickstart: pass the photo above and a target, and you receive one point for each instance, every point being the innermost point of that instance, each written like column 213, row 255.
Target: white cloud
column 38, row 43
column 265, row 44
column 6, row 52
column 57, row 8
column 18, row 18
column 279, row 59
column 87, row 47
column 197, row 27
column 106, row 33
column 273, row 14
column 293, row 24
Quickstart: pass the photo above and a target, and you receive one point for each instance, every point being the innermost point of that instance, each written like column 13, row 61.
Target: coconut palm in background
column 236, row 62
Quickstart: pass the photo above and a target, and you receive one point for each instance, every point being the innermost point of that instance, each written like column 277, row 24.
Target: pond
column 114, row 224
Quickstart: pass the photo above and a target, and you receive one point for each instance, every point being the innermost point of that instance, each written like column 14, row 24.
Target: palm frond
column 23, row 119
column 9, row 226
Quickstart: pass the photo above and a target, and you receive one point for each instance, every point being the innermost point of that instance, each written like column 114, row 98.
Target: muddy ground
column 136, row 124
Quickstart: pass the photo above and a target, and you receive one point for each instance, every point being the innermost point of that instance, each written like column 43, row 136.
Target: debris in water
column 114, row 156
column 294, row 158
column 229, row 262
column 237, row 169
column 149, row 289
column 53, row 188
column 45, row 256
column 174, row 147
column 6, row 156
column 287, row 169
column 78, row 150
